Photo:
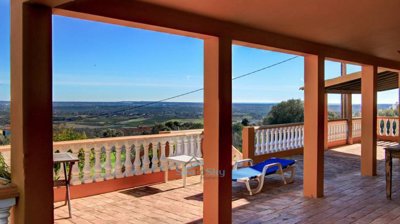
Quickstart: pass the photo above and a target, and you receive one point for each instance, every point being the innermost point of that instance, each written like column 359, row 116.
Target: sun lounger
column 259, row 171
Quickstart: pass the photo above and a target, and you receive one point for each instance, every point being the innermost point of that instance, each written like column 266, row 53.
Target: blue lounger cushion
column 246, row 172
column 284, row 163
column 254, row 171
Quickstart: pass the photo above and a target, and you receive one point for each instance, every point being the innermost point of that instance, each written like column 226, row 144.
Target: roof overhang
column 351, row 83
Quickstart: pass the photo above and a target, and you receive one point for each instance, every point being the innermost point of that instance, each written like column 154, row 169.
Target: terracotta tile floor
column 349, row 198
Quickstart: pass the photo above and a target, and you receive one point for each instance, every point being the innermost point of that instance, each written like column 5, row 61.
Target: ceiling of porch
column 371, row 27
column 386, row 80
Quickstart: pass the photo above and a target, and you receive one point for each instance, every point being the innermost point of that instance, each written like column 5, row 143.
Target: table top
column 185, row 159
column 64, row 157
column 394, row 148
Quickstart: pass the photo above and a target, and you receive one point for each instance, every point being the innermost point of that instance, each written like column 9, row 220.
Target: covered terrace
column 309, row 29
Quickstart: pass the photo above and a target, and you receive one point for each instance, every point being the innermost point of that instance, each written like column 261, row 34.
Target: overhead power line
column 196, row 90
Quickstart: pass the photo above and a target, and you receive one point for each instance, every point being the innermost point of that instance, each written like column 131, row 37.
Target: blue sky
column 100, row 62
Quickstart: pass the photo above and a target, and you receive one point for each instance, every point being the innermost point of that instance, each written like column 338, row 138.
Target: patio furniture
column 64, row 158
column 260, row 170
column 185, row 162
column 390, row 153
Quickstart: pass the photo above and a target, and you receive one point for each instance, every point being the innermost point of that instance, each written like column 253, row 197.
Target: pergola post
column 31, row 111
column 326, row 121
column 398, row 111
column 347, row 109
column 314, row 130
column 217, row 204
column 349, row 117
column 368, row 120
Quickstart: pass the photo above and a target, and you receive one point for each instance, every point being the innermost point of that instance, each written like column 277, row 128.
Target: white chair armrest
column 237, row 163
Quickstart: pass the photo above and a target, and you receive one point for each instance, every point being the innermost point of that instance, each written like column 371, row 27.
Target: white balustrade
column 276, row 138
column 356, row 128
column 337, row 130
column 388, row 126
column 92, row 168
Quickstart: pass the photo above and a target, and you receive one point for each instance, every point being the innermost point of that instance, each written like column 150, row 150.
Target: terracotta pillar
column 349, row 117
column 343, row 103
column 347, row 109
column 314, row 130
column 398, row 109
column 368, row 120
column 217, row 205
column 31, row 111
column 326, row 121
column 248, row 142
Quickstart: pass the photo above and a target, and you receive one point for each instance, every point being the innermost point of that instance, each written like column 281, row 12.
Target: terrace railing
column 285, row 138
column 112, row 158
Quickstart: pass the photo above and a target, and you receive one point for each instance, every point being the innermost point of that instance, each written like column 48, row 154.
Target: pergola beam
column 149, row 16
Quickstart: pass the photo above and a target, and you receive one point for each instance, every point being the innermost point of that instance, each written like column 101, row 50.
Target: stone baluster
column 280, row 141
column 128, row 160
column 292, row 137
column 192, row 146
column 295, row 137
column 171, row 144
column 258, row 142
column 118, row 163
column 87, row 148
column 284, row 139
column 146, row 160
column 186, row 145
column 107, row 166
column 179, row 150
column 267, row 141
column 97, row 163
column 154, row 161
column 262, row 141
column 301, row 136
column 137, row 163
column 276, row 140
column 198, row 151
column 75, row 180
column 163, row 158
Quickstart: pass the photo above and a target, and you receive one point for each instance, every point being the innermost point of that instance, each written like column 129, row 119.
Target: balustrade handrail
column 387, row 117
column 278, row 125
column 119, row 139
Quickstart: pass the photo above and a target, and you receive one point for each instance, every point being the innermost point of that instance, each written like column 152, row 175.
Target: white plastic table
column 185, row 162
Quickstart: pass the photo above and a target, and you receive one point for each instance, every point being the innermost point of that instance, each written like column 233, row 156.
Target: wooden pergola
column 312, row 30
column 351, row 83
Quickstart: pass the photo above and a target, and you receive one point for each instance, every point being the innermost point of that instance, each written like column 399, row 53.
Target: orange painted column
column 248, row 142
column 349, row 116
column 398, row 110
column 326, row 121
column 368, row 120
column 314, row 130
column 217, row 205
column 31, row 111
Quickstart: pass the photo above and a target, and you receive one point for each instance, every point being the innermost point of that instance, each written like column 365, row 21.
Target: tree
column 237, row 135
column 112, row 133
column 63, row 133
column 245, row 122
column 290, row 111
